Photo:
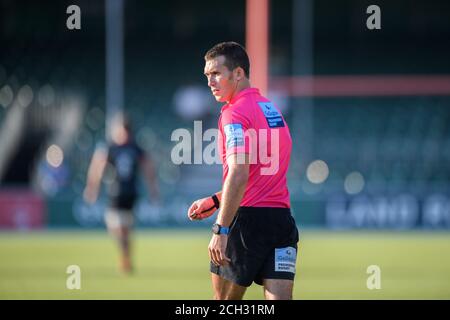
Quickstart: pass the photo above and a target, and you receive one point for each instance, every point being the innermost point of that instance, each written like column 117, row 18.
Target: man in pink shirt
column 255, row 236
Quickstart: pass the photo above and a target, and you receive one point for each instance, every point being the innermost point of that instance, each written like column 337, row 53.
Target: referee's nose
column 211, row 82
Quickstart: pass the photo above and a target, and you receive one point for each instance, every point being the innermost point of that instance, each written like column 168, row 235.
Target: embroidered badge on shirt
column 285, row 259
column 234, row 135
column 272, row 115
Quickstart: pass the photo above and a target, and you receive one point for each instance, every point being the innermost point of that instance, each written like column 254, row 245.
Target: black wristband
column 216, row 201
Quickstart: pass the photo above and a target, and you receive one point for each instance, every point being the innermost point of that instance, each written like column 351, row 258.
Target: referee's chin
column 219, row 99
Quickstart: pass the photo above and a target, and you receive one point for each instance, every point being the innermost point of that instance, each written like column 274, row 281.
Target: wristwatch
column 218, row 229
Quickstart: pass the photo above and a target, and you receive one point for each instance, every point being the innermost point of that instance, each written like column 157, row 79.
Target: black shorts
column 123, row 202
column 262, row 244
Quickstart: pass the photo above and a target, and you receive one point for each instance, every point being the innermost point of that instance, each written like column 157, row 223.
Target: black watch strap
column 216, row 201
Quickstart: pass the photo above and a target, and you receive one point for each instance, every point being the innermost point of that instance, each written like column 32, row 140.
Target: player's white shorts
column 115, row 218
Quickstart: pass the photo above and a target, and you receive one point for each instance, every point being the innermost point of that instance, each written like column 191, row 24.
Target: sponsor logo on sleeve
column 234, row 135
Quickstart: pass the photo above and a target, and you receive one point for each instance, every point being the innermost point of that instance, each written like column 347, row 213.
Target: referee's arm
column 233, row 189
column 232, row 194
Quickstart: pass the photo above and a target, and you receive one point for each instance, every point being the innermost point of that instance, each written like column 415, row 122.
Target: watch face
column 215, row 228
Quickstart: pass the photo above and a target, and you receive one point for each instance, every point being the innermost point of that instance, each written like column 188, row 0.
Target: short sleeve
column 235, row 127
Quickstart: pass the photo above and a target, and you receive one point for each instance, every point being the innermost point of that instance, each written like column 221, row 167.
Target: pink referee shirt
column 252, row 124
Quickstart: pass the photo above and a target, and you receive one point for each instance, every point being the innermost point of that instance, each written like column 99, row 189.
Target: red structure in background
column 21, row 210
column 363, row 85
column 257, row 42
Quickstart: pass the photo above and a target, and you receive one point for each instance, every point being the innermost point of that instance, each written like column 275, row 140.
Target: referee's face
column 221, row 80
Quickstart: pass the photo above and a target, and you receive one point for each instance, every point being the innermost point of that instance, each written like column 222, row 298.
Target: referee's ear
column 239, row 73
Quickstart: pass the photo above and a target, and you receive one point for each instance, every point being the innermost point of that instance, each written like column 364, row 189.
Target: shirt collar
column 241, row 94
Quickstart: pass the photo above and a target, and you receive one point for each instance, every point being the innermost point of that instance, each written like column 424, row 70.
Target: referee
column 255, row 236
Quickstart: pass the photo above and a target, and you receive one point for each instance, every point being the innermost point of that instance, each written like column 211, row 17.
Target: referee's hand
column 216, row 249
column 201, row 209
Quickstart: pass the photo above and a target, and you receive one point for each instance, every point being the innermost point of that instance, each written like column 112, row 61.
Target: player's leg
column 112, row 223
column 278, row 289
column 226, row 290
column 124, row 238
column 124, row 242
column 118, row 224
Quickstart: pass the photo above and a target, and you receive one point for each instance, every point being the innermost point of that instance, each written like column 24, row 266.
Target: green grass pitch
column 173, row 264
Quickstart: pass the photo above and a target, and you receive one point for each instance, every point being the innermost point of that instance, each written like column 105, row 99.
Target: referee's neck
column 242, row 85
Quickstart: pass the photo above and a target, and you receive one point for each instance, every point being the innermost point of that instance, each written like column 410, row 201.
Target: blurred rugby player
column 124, row 157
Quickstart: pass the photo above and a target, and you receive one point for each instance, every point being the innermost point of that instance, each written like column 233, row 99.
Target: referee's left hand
column 216, row 250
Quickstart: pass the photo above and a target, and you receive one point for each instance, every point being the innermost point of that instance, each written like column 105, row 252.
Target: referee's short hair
column 235, row 56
